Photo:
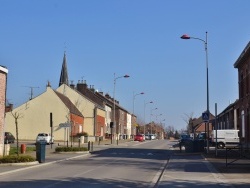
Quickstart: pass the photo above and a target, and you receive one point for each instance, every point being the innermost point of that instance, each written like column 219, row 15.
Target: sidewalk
column 204, row 170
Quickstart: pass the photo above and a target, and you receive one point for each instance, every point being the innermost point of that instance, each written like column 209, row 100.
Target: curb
column 71, row 152
column 41, row 164
column 20, row 164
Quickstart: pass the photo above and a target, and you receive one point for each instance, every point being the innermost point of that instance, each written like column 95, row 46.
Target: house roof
column 197, row 122
column 3, row 69
column 72, row 108
column 243, row 54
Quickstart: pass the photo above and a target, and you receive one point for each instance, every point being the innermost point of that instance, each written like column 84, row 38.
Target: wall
column 34, row 116
column 84, row 105
column 100, row 122
column 3, row 83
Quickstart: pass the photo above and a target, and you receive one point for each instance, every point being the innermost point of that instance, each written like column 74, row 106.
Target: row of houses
column 69, row 111
column 237, row 114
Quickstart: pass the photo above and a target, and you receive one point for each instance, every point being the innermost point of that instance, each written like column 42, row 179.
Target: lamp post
column 157, row 116
column 151, row 120
column 156, row 120
column 208, row 113
column 134, row 95
column 114, row 122
column 145, row 103
column 163, row 128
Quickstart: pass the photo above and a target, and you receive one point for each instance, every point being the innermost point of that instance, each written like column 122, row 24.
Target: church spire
column 64, row 72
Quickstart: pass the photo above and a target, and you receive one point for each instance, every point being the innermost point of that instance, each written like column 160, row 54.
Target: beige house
column 34, row 116
column 94, row 115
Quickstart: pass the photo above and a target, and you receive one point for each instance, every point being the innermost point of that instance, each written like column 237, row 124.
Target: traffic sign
column 205, row 117
column 64, row 125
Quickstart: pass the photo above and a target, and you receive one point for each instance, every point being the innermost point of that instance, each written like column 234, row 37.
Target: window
column 243, row 124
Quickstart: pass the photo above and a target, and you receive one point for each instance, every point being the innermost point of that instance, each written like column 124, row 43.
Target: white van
column 225, row 137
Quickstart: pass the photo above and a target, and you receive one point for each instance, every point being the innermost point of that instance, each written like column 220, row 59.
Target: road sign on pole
column 65, row 125
column 205, row 117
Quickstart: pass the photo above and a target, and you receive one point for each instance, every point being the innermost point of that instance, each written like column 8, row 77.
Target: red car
column 139, row 138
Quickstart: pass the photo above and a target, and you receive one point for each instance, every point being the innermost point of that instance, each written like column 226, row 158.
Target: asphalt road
column 131, row 164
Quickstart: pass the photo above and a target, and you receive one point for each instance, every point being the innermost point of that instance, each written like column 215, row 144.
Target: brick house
column 3, row 87
column 105, row 101
column 227, row 119
column 243, row 104
column 198, row 126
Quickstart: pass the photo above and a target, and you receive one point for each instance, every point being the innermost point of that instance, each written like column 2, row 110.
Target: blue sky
column 140, row 38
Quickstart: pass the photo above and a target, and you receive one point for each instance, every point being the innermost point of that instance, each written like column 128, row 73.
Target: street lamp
column 151, row 120
column 114, row 122
column 134, row 95
column 157, row 116
column 162, row 128
column 208, row 113
column 145, row 103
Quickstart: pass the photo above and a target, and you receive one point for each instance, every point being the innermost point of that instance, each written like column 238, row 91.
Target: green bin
column 40, row 151
column 189, row 146
column 199, row 145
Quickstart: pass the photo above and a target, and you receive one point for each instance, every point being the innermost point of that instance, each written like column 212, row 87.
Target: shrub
column 16, row 159
column 82, row 134
column 70, row 149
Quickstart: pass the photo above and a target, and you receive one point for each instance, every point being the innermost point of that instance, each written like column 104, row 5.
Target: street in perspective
column 152, row 163
column 124, row 94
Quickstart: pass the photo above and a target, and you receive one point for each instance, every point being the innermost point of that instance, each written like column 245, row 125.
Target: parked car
column 139, row 137
column 45, row 137
column 153, row 136
column 144, row 138
column 147, row 137
column 150, row 136
column 184, row 138
column 8, row 138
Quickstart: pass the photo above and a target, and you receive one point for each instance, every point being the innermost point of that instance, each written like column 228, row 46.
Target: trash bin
column 199, row 145
column 40, row 151
column 23, row 148
column 189, row 146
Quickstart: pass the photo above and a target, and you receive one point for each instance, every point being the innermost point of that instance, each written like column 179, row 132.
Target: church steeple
column 64, row 72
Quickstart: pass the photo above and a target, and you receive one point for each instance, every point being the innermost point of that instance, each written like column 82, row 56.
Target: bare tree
column 170, row 131
column 16, row 116
column 188, row 119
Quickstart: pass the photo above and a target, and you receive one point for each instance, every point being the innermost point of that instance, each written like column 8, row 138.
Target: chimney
column 48, row 84
column 92, row 88
column 82, row 87
column 72, row 85
column 9, row 108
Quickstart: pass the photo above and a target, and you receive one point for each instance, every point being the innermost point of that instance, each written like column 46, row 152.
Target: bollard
column 88, row 145
column 23, row 148
column 92, row 146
